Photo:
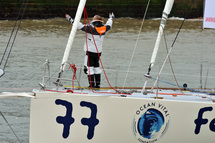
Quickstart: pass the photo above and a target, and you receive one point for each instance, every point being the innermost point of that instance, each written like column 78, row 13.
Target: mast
column 72, row 34
column 166, row 12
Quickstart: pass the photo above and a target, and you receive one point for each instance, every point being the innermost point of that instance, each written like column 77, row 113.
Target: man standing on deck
column 96, row 31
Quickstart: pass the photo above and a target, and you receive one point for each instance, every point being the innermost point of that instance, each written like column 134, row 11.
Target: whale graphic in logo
column 150, row 123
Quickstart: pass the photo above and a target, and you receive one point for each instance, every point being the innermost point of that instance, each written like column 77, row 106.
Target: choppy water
column 38, row 40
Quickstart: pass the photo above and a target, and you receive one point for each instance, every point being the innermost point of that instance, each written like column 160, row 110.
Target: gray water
column 38, row 40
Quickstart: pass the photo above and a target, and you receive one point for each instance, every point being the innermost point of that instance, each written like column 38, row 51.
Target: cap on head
column 97, row 18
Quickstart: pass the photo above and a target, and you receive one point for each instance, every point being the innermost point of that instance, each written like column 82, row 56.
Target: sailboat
column 78, row 115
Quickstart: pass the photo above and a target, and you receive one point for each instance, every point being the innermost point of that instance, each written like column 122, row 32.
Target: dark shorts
column 93, row 59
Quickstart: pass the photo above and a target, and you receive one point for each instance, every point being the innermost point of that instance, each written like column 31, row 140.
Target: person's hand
column 111, row 15
column 69, row 18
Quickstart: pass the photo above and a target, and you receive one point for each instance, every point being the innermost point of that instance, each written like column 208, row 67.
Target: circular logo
column 150, row 124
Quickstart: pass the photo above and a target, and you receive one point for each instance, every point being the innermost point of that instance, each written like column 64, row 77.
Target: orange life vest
column 101, row 30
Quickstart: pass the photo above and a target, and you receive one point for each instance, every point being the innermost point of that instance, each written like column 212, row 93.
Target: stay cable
column 12, row 32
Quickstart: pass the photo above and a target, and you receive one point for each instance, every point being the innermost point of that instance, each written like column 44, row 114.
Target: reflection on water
column 39, row 40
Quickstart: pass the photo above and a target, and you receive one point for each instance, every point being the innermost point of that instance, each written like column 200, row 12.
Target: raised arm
column 110, row 21
column 80, row 25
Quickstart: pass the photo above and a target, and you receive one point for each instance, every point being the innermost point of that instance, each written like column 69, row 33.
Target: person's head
column 97, row 20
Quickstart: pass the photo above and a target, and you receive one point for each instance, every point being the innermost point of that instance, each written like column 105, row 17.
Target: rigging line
column 206, row 78
column 173, row 45
column 136, row 43
column 162, row 67
column 175, row 39
column 16, row 34
column 173, row 73
column 170, row 62
column 182, row 23
column 86, row 17
column 85, row 11
column 12, row 32
column 166, row 82
column 116, row 91
column 88, row 61
column 201, row 59
column 53, row 73
column 30, row 71
column 201, row 66
column 10, row 126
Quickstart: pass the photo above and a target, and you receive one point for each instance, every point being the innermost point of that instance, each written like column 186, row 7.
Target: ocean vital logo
column 150, row 122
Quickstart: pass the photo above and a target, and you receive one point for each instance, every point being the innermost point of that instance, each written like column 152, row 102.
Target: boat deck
column 162, row 94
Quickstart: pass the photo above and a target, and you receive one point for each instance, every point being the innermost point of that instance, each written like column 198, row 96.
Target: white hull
column 107, row 117
column 117, row 117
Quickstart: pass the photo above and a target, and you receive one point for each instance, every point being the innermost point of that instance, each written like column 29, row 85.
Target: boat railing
column 47, row 78
column 115, row 75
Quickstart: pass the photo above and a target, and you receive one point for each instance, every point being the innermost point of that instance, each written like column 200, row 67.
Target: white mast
column 72, row 33
column 166, row 12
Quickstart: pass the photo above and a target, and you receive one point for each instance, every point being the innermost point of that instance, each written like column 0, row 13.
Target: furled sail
column 209, row 14
column 166, row 12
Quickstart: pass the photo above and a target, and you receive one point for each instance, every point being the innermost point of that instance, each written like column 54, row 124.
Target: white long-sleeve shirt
column 93, row 31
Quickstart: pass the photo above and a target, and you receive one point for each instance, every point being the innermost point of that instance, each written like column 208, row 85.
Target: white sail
column 72, row 33
column 166, row 12
column 209, row 14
